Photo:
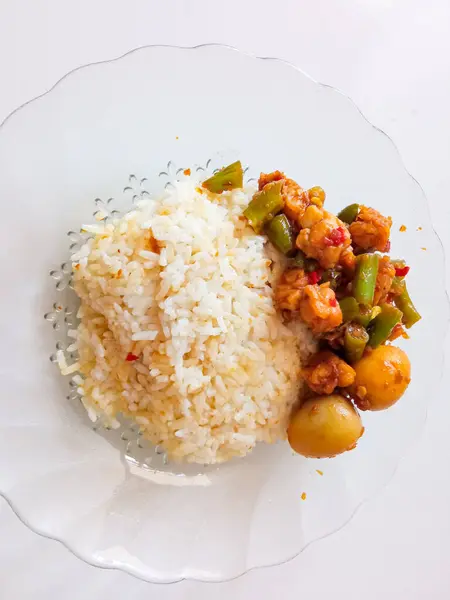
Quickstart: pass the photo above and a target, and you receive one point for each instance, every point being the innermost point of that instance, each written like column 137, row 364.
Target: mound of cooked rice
column 178, row 326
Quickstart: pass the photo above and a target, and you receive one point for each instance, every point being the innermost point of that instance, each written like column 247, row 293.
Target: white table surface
column 393, row 58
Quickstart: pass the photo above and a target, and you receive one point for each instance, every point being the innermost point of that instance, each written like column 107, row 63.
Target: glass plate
column 109, row 501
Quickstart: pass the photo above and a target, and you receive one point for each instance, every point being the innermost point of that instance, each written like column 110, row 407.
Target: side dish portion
column 341, row 282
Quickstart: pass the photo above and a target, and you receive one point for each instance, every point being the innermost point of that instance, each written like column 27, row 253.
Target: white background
column 393, row 58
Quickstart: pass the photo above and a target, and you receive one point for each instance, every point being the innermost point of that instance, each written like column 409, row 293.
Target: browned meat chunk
column 290, row 289
column 319, row 308
column 266, row 178
column 370, row 230
column 323, row 237
column 348, row 261
column 296, row 199
column 326, row 371
column 385, row 276
column 317, row 196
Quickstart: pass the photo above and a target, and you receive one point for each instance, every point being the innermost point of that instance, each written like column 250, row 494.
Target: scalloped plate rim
column 123, row 566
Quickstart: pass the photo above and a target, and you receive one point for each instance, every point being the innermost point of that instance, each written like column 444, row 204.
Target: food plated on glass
column 206, row 338
column 216, row 316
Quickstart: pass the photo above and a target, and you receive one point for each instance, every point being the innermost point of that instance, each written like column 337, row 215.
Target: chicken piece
column 266, row 178
column 385, row 276
column 319, row 308
column 296, row 199
column 370, row 230
column 323, row 237
column 348, row 261
column 317, row 196
column 290, row 289
column 326, row 371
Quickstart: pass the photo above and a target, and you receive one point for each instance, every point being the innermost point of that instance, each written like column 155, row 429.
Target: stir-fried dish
column 342, row 283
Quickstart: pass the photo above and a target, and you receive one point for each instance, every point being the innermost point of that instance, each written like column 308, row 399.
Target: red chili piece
column 401, row 271
column 130, row 357
column 333, row 302
column 336, row 237
column 314, row 277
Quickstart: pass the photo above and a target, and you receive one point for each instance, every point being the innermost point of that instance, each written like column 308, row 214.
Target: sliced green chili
column 365, row 315
column 352, row 311
column 365, row 278
column 280, row 233
column 381, row 327
column 228, row 178
column 404, row 303
column 396, row 286
column 349, row 213
column 355, row 341
column 349, row 308
column 265, row 205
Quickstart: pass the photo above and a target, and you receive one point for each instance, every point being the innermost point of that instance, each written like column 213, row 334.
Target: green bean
column 365, row 278
column 349, row 308
column 404, row 303
column 349, row 213
column 265, row 205
column 228, row 178
column 365, row 315
column 381, row 327
column 355, row 341
column 396, row 286
column 352, row 311
column 280, row 233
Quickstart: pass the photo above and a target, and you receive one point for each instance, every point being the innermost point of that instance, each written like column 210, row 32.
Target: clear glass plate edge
column 124, row 567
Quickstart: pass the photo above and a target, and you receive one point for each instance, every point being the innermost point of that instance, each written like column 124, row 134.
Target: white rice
column 217, row 370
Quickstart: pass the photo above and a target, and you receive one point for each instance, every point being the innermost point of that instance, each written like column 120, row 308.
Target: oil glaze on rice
column 184, row 285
